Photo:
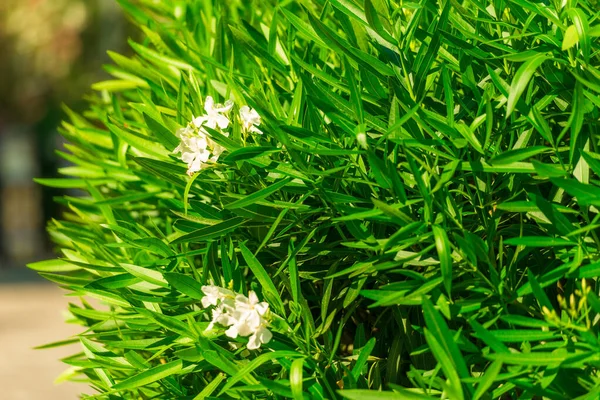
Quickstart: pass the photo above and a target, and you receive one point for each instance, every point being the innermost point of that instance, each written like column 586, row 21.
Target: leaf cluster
column 421, row 211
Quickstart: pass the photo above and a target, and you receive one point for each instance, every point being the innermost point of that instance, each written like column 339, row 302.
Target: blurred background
column 51, row 51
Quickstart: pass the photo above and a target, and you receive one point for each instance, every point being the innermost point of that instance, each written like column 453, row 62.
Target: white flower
column 213, row 294
column 197, row 149
column 260, row 336
column 250, row 120
column 361, row 138
column 193, row 148
column 244, row 316
column 220, row 316
column 214, row 114
column 248, row 315
column 251, row 304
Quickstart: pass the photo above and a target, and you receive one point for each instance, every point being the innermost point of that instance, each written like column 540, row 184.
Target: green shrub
column 418, row 213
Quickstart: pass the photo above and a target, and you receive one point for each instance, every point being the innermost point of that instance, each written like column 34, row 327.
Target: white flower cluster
column 196, row 147
column 243, row 316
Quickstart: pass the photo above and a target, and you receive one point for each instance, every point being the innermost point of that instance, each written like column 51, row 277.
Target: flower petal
column 232, row 332
column 209, row 104
column 222, row 121
column 199, row 121
column 253, row 342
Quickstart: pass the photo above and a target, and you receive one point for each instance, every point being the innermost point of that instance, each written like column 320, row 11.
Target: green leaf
column 447, row 365
column 521, row 80
column 149, row 376
column 439, row 330
column 518, row 155
column 258, row 196
column 539, row 293
column 211, row 387
column 571, row 38
column 211, row 232
column 253, row 48
column 107, row 297
column 521, row 335
column 469, row 135
column 164, row 135
column 531, row 359
column 586, row 194
column 538, row 241
column 362, row 394
column 71, row 183
column 259, row 272
column 548, row 170
column 245, row 372
column 303, row 28
column 582, row 27
column 486, row 382
column 140, row 142
column 375, row 22
column 185, row 284
column 488, row 338
column 296, row 378
column 248, row 153
column 146, row 274
column 170, row 323
column 363, row 356
column 442, row 245
column 337, row 43
column 57, row 265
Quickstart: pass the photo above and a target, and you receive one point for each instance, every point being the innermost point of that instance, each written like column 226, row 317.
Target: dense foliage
column 419, row 214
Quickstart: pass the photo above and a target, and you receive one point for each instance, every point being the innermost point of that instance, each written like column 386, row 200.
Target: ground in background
column 31, row 315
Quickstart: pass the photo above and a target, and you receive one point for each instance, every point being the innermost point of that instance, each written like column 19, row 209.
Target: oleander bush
column 326, row 199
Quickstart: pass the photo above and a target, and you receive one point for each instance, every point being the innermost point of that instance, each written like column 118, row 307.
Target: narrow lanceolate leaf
column 296, row 373
column 442, row 245
column 210, row 232
column 375, row 22
column 248, row 153
column 61, row 183
column 267, row 286
column 107, row 297
column 487, row 380
column 518, row 155
column 398, row 394
column 571, row 38
column 170, row 323
column 585, row 194
column 211, row 387
column 533, row 358
column 146, row 274
column 439, row 329
column 53, row 266
column 521, row 80
column 185, row 284
column 365, row 60
column 254, row 364
column 470, row 136
column 154, row 374
column 521, row 335
column 580, row 21
column 141, row 143
column 161, row 133
column 537, row 290
column 361, row 361
column 444, row 360
column 252, row 47
column 539, row 241
column 259, row 195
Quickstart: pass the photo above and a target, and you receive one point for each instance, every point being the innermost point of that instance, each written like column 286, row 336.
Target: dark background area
column 51, row 51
